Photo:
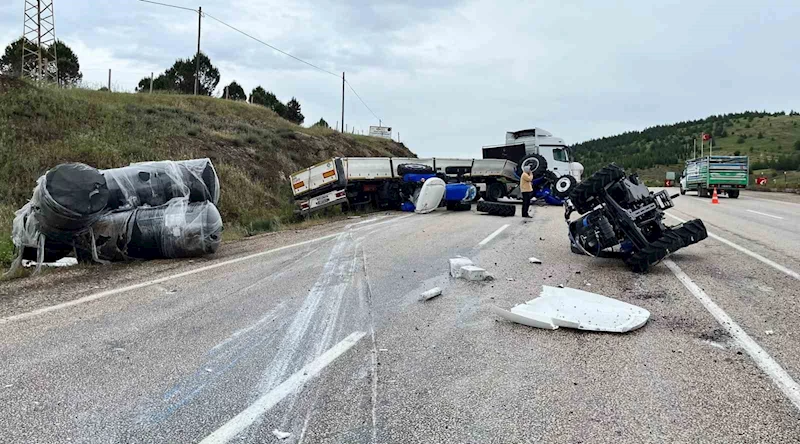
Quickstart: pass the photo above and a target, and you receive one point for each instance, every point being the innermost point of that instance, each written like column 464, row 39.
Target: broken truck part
column 145, row 210
column 622, row 218
column 572, row 308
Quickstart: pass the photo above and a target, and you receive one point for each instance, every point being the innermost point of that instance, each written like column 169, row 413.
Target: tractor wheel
column 564, row 185
column 584, row 195
column 537, row 163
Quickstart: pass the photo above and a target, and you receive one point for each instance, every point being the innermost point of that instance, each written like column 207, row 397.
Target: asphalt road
column 325, row 339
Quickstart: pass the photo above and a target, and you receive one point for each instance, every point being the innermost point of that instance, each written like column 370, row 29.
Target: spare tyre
column 413, row 168
column 537, row 163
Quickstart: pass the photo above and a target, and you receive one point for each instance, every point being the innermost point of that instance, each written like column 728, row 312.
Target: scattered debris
column 572, row 308
column 510, row 279
column 383, row 349
column 430, row 294
column 473, row 273
column 63, row 262
column 281, row 435
column 560, row 285
column 456, row 264
column 533, row 260
column 769, row 332
column 118, row 349
column 9, row 385
column 208, row 370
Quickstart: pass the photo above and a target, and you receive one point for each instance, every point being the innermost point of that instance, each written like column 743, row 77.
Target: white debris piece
column 473, row 273
column 455, row 265
column 430, row 196
column 430, row 294
column 281, row 435
column 769, row 332
column 533, row 260
column 510, row 279
column 572, row 308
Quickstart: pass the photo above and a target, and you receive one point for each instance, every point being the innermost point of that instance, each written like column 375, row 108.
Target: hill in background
column 252, row 148
column 771, row 140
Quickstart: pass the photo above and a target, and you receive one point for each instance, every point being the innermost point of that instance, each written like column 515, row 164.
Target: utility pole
column 694, row 148
column 39, row 29
column 343, row 126
column 109, row 79
column 197, row 67
column 151, row 83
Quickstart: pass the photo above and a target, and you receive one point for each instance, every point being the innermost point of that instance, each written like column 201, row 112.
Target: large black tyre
column 733, row 194
column 691, row 232
column 584, row 195
column 413, row 168
column 683, row 192
column 494, row 191
column 537, row 163
column 563, row 186
column 674, row 239
column 458, row 206
column 642, row 260
column 497, row 209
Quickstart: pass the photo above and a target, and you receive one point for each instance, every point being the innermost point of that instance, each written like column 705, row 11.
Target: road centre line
column 493, row 235
column 752, row 254
column 248, row 416
column 764, row 214
column 115, row 291
column 763, row 360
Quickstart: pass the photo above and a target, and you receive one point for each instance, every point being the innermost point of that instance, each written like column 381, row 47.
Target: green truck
column 728, row 174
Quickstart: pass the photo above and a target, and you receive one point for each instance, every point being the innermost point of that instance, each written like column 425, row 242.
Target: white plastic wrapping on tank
column 178, row 229
column 156, row 183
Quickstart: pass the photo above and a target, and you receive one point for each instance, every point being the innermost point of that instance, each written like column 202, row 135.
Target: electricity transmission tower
column 39, row 58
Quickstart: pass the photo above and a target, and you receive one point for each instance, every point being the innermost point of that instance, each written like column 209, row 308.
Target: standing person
column 527, row 189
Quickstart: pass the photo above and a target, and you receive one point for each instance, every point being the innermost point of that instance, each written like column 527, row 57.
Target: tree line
column 179, row 79
column 659, row 145
column 69, row 68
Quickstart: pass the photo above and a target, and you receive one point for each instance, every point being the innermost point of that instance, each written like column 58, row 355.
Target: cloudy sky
column 453, row 75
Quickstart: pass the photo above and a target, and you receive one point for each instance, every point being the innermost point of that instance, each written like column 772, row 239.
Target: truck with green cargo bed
column 728, row 174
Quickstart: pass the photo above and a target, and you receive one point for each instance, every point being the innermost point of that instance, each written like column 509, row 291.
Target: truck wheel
column 733, row 194
column 584, row 195
column 458, row 206
column 497, row 209
column 683, row 192
column 702, row 192
column 564, row 185
column 494, row 191
column 537, row 163
column 413, row 168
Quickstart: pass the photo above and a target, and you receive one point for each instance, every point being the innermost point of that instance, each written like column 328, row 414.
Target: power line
column 169, row 6
column 270, row 46
column 362, row 100
column 205, row 14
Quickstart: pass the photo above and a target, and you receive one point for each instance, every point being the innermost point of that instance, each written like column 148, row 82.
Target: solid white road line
column 764, row 361
column 764, row 214
column 115, row 291
column 744, row 250
column 263, row 404
column 493, row 235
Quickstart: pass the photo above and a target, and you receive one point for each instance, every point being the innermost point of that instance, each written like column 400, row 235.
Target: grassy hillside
column 252, row 148
column 772, row 140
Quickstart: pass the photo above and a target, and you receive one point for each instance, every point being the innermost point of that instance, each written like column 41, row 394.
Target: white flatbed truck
column 362, row 181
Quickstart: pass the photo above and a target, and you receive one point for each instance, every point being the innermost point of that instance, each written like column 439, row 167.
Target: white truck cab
column 521, row 145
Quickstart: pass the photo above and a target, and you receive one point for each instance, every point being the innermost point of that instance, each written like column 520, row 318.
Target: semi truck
column 544, row 153
column 728, row 174
column 386, row 182
column 383, row 182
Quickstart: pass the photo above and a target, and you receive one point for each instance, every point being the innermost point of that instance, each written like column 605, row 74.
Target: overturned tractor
column 622, row 218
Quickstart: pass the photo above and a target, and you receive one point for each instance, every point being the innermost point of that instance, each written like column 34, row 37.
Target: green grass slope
column 772, row 140
column 252, row 148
